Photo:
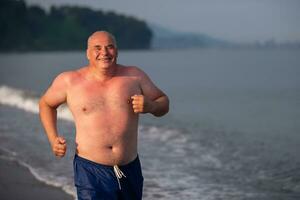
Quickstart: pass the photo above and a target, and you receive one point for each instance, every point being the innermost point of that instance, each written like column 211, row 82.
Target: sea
column 232, row 133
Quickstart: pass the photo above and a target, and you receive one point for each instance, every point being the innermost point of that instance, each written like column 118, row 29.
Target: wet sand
column 17, row 183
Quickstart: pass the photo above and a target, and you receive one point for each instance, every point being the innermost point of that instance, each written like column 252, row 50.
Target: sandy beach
column 17, row 183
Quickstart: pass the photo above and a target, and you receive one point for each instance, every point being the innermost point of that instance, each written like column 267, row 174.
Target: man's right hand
column 59, row 146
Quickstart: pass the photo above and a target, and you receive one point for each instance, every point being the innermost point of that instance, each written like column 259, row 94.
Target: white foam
column 163, row 134
column 211, row 160
column 21, row 99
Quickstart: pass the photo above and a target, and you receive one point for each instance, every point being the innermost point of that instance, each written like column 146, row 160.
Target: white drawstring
column 119, row 174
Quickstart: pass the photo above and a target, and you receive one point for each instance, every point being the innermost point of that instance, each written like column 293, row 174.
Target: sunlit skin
column 105, row 99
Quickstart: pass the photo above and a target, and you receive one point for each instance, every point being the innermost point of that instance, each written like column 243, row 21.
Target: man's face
column 102, row 51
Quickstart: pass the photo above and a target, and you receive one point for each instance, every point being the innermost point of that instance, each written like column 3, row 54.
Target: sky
column 233, row 20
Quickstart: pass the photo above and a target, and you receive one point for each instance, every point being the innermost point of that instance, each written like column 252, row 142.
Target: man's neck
column 102, row 74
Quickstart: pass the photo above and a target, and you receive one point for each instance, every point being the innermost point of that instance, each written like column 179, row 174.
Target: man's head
column 102, row 49
column 97, row 33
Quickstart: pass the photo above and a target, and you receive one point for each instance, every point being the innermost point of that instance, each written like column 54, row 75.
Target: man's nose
column 104, row 51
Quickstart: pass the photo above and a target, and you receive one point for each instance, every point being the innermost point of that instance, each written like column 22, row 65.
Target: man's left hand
column 141, row 104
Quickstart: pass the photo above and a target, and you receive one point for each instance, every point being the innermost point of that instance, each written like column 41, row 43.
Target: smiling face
column 102, row 51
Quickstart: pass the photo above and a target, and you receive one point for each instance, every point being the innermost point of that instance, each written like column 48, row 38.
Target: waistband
column 128, row 165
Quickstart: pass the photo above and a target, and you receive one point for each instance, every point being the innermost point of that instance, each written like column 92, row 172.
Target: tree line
column 24, row 28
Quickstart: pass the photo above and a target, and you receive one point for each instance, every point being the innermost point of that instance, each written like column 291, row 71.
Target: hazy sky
column 235, row 20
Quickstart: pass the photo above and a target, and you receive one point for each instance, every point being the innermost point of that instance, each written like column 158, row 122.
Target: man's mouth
column 105, row 59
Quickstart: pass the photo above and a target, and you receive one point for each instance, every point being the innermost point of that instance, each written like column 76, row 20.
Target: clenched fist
column 141, row 104
column 59, row 146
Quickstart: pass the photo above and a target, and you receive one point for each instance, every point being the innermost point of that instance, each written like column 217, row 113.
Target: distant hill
column 31, row 28
column 164, row 38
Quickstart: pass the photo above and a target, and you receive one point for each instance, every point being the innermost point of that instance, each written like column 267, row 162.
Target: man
column 105, row 99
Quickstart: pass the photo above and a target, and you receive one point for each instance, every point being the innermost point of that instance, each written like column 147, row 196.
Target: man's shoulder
column 132, row 70
column 69, row 76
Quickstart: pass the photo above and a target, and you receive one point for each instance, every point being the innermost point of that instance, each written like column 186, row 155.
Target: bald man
column 105, row 99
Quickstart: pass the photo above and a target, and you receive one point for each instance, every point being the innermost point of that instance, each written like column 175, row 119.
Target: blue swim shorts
column 95, row 181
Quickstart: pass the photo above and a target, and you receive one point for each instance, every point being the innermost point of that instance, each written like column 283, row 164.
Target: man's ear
column 87, row 54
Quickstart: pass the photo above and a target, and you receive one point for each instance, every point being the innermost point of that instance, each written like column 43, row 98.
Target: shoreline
column 16, row 182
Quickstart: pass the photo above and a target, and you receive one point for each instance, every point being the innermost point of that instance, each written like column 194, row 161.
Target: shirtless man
column 105, row 99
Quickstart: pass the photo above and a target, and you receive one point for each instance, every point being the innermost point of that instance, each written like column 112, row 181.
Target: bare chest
column 92, row 98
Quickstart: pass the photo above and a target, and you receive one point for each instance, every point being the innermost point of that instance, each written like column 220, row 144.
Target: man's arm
column 54, row 96
column 152, row 100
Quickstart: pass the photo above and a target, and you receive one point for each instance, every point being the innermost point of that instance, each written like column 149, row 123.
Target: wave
column 27, row 101
column 174, row 145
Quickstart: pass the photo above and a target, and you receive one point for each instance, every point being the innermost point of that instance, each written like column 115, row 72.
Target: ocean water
column 233, row 131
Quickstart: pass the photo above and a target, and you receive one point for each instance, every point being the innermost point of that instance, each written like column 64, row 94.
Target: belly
column 108, row 139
